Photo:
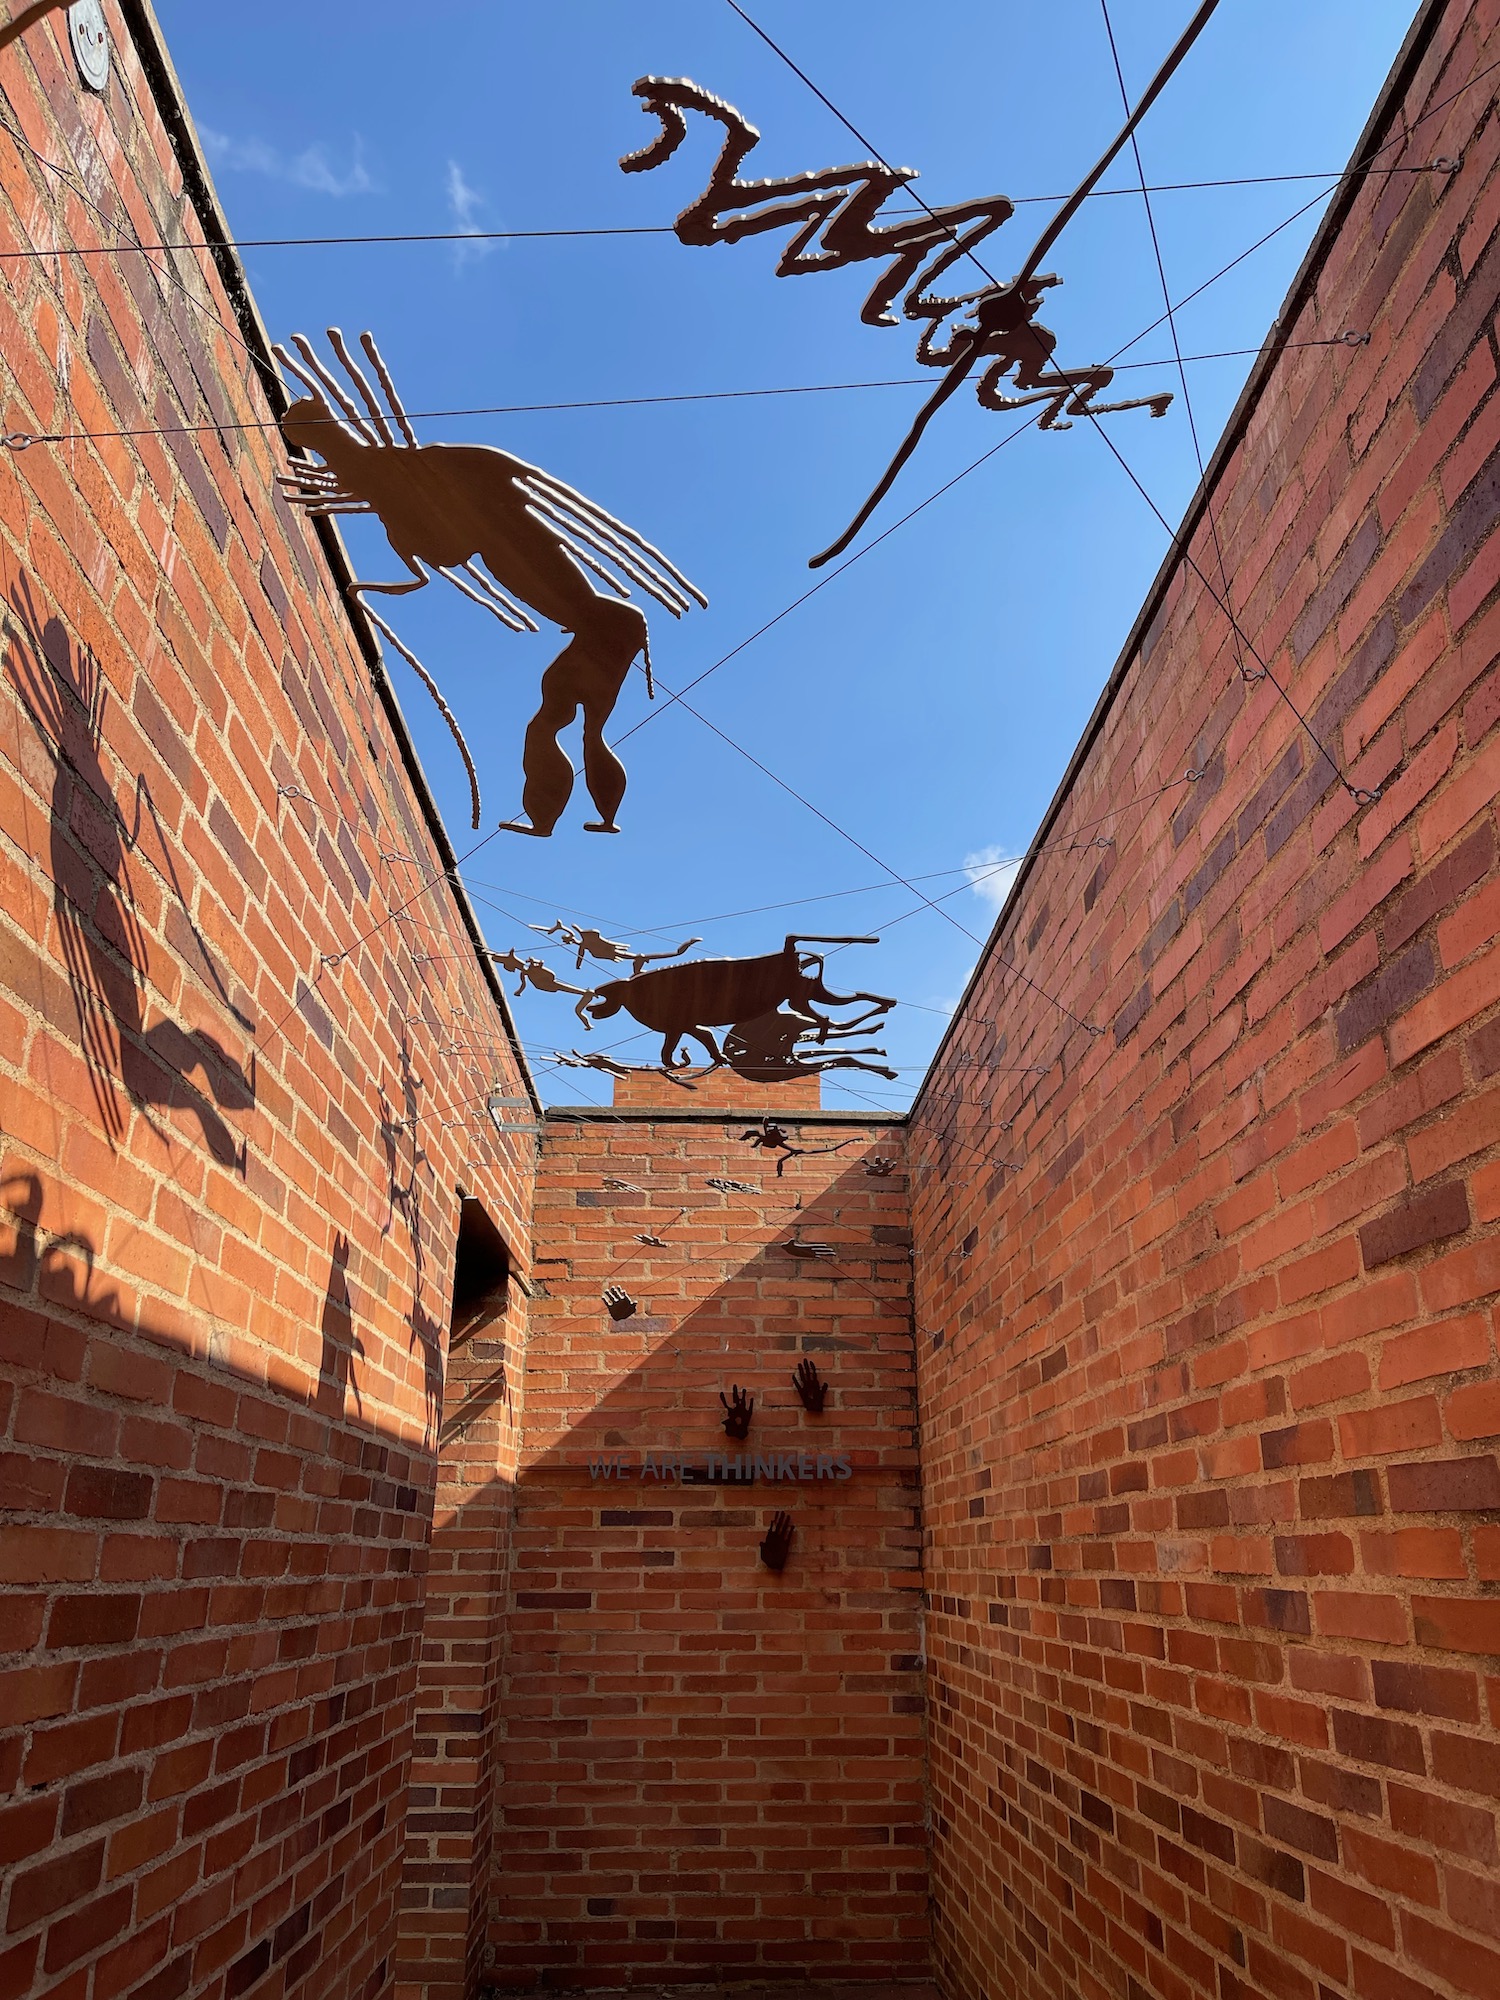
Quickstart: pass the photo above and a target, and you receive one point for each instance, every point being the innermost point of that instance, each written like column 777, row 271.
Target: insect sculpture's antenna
column 967, row 361
column 377, row 362
column 356, row 375
column 331, row 390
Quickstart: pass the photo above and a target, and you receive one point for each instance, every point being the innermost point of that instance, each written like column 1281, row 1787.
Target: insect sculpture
column 777, row 1047
column 513, row 538
column 591, row 945
column 831, row 212
column 691, row 1000
column 770, row 1137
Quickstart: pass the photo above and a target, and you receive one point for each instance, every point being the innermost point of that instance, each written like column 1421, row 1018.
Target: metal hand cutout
column 810, row 1387
column 777, row 1545
column 738, row 1408
column 621, row 1304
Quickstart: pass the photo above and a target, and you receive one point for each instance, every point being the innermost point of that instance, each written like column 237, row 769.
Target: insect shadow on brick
column 128, row 1040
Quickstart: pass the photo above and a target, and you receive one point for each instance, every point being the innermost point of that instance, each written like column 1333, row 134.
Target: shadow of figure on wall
column 404, row 1198
column 56, row 1266
column 163, row 1066
column 342, row 1345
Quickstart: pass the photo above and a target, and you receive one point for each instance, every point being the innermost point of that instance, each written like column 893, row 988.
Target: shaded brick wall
column 712, row 1770
column 1208, row 1382
column 225, row 1249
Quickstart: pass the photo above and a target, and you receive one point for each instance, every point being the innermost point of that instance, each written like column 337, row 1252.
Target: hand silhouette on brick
column 810, row 1387
column 738, row 1410
column 777, row 1545
column 621, row 1304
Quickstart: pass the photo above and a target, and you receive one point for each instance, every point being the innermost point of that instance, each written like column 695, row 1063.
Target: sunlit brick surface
column 223, row 1273
column 1207, row 1377
column 712, row 1770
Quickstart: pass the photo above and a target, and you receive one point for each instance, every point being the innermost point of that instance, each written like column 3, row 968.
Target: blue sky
column 926, row 701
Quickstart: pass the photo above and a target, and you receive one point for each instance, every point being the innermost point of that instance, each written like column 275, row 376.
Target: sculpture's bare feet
column 599, row 826
column 516, row 826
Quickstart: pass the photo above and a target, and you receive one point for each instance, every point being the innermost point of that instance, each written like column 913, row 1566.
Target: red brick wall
column 224, row 1253
column 1208, row 1381
column 712, row 1770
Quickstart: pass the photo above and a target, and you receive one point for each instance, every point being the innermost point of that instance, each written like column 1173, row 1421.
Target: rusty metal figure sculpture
column 691, row 1000
column 590, row 944
column 541, row 978
column 511, row 537
column 832, row 212
column 776, row 1047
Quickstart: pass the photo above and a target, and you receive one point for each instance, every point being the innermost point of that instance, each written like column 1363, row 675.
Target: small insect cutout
column 831, row 213
column 769, row 1137
column 511, row 537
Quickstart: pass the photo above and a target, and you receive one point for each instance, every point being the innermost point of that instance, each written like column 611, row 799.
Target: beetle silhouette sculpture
column 690, row 1001
column 514, row 539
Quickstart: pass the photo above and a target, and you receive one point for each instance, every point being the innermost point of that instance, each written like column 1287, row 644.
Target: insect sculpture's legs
column 429, row 683
column 1073, row 388
column 490, row 598
column 588, row 675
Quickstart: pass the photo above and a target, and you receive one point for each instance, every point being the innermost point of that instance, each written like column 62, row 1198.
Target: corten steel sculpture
column 769, row 1137
column 777, row 1545
column 541, row 978
column 738, row 1410
column 692, row 1000
column 513, row 538
column 776, row 1047
column 812, row 1390
column 591, row 945
column 619, row 1302
column 832, row 214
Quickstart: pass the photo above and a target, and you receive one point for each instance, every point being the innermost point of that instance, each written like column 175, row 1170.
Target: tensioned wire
column 22, row 440
column 1166, row 295
column 473, row 236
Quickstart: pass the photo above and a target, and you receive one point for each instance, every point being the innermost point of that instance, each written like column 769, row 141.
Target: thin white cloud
column 465, row 204
column 991, row 871
column 311, row 169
